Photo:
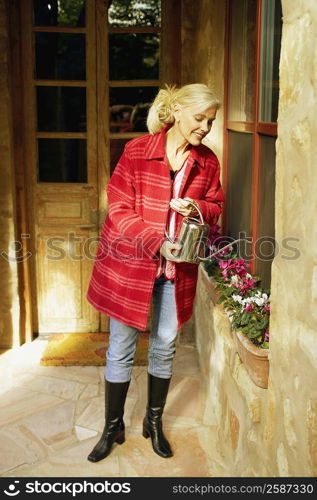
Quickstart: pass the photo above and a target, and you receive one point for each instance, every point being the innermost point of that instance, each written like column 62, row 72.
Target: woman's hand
column 168, row 248
column 184, row 207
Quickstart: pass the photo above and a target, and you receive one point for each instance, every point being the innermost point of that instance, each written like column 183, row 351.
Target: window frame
column 257, row 128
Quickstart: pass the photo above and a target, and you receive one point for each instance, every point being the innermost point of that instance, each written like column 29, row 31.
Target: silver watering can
column 193, row 238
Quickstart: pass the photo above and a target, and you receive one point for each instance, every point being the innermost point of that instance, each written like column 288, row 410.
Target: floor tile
column 51, row 418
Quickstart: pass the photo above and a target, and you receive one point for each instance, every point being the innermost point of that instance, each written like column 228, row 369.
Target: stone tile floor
column 51, row 417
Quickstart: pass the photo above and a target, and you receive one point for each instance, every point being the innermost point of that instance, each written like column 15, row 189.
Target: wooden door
column 59, row 70
column 90, row 71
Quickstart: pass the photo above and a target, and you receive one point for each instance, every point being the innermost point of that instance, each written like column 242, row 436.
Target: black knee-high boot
column 152, row 423
column 115, row 396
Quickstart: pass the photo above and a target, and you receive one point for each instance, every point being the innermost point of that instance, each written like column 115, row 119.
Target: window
column 134, row 39
column 60, row 81
column 252, row 53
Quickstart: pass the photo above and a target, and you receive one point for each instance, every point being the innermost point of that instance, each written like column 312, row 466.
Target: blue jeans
column 123, row 338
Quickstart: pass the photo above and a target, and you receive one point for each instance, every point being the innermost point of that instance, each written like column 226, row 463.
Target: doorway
column 82, row 102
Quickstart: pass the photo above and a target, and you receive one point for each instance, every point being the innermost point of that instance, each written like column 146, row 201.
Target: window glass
column 60, row 56
column 61, row 109
column 59, row 12
column 116, row 150
column 271, row 31
column 242, row 60
column 127, row 13
column 265, row 246
column 129, row 108
column 134, row 56
column 239, row 188
column 62, row 160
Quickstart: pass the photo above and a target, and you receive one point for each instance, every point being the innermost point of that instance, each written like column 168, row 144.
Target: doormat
column 86, row 349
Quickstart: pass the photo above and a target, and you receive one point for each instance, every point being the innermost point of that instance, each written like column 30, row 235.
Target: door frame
column 23, row 13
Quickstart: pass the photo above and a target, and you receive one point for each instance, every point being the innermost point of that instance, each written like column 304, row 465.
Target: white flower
column 237, row 298
column 259, row 302
column 235, row 278
column 248, row 300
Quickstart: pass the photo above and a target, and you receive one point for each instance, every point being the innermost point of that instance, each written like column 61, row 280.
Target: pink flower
column 214, row 234
column 267, row 336
column 224, row 252
column 247, row 284
column 225, row 266
column 240, row 266
column 267, row 308
column 249, row 307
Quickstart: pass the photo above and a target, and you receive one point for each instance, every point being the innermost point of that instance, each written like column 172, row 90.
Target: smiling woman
column 151, row 189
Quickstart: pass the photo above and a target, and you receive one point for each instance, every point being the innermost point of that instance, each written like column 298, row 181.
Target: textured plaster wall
column 273, row 432
column 9, row 304
column 293, row 394
column 203, row 34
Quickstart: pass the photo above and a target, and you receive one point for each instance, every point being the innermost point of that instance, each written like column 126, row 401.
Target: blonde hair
column 161, row 110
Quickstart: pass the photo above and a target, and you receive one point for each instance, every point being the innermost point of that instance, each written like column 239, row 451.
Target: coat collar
column 156, row 149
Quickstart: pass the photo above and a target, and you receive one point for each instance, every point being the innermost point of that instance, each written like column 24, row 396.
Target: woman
column 150, row 191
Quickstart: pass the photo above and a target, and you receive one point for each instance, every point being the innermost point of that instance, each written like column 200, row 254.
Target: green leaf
column 221, row 299
column 244, row 318
column 254, row 334
column 265, row 345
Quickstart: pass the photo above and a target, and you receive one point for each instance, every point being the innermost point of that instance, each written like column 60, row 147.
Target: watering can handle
column 195, row 205
column 193, row 218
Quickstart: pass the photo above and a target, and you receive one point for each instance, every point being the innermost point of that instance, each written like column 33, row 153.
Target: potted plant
column 247, row 305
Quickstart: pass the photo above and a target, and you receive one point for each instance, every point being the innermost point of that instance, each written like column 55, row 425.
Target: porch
column 268, row 157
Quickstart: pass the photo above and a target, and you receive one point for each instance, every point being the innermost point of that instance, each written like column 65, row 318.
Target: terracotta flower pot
column 255, row 359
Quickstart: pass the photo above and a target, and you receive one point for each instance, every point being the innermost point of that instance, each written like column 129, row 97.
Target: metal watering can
column 193, row 238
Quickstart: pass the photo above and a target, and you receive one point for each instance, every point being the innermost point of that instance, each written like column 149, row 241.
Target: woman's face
column 194, row 125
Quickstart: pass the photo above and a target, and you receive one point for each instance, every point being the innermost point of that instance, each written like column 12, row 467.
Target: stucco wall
column 9, row 303
column 293, row 391
column 203, row 34
column 273, row 432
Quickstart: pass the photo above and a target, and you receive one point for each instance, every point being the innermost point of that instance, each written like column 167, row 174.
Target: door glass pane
column 60, row 56
column 59, row 12
column 129, row 108
column 239, row 188
column 271, row 33
column 134, row 13
column 62, row 160
column 116, row 150
column 265, row 246
column 242, row 60
column 61, row 109
column 134, row 56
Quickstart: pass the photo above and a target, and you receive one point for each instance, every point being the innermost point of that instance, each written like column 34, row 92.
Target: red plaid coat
column 139, row 193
